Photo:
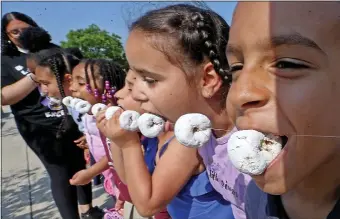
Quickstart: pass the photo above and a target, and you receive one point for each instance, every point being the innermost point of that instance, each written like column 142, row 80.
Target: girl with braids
column 53, row 72
column 149, row 146
column 96, row 80
column 36, row 122
column 184, row 71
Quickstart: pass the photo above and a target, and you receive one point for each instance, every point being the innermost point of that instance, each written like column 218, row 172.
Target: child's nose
column 248, row 92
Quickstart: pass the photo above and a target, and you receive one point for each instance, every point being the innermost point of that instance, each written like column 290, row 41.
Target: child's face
column 124, row 97
column 161, row 87
column 286, row 80
column 48, row 82
column 78, row 85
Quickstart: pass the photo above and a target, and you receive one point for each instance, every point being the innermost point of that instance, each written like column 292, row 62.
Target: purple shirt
column 223, row 176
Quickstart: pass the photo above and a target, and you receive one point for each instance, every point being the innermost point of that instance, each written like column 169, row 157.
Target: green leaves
column 96, row 43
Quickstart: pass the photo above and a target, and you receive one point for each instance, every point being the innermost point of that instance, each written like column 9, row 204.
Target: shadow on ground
column 19, row 203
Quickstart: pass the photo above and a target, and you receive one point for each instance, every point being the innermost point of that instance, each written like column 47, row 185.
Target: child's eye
column 285, row 64
column 149, row 80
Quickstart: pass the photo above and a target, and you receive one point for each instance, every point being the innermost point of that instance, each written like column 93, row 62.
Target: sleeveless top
column 198, row 199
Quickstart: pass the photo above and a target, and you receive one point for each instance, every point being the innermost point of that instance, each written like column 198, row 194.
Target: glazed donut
column 251, row 151
column 128, row 120
column 97, row 107
column 74, row 101
column 150, row 125
column 67, row 100
column 110, row 111
column 82, row 107
column 193, row 130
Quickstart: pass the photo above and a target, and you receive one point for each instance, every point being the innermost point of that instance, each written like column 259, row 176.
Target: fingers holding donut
column 120, row 136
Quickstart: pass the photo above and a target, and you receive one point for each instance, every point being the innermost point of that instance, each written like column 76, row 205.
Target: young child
column 53, row 72
column 284, row 60
column 32, row 61
column 183, row 72
column 149, row 146
column 96, row 80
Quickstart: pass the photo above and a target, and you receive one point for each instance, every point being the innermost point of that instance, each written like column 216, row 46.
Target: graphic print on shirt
column 20, row 69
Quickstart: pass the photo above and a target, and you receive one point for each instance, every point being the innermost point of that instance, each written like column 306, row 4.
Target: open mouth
column 271, row 139
column 252, row 152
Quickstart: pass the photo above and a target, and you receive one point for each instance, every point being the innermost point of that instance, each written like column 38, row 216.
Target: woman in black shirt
column 38, row 124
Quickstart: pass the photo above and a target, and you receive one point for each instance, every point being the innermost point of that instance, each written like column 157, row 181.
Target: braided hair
column 7, row 47
column 60, row 63
column 109, row 70
column 191, row 36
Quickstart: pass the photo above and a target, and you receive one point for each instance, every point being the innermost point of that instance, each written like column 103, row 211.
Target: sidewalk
column 25, row 192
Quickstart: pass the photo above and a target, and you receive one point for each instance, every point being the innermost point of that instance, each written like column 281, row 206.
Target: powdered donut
column 67, row 100
column 128, row 120
column 110, row 111
column 193, row 130
column 82, row 107
column 150, row 125
column 74, row 101
column 97, row 107
column 251, row 151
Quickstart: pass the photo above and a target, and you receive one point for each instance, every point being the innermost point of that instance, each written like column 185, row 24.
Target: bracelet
column 30, row 76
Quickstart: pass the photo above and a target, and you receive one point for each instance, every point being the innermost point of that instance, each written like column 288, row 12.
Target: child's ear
column 211, row 81
column 68, row 77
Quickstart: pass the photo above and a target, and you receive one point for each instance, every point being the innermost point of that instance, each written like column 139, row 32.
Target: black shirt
column 32, row 108
column 260, row 205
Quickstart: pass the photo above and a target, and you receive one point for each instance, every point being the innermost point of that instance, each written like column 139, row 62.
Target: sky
column 58, row 18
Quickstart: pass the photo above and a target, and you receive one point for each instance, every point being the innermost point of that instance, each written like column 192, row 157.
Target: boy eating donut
column 285, row 63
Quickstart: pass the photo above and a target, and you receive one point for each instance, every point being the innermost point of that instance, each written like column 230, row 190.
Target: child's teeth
column 251, row 151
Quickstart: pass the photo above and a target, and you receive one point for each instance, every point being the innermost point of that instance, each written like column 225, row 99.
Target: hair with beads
column 187, row 34
column 113, row 77
column 60, row 62
column 7, row 47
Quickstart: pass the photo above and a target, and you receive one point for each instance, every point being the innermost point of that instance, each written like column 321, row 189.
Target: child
column 53, row 74
column 95, row 80
column 32, row 60
column 183, row 72
column 284, row 60
column 149, row 145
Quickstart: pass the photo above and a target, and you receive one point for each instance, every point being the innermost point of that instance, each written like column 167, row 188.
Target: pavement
column 25, row 184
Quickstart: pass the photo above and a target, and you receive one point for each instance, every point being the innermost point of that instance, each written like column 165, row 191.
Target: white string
column 295, row 135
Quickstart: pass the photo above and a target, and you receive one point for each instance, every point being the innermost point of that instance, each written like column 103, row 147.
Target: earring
column 9, row 41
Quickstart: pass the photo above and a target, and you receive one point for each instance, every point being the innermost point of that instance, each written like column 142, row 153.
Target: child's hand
column 81, row 142
column 82, row 177
column 112, row 130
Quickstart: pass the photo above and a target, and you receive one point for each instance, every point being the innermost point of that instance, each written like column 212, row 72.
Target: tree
column 96, row 43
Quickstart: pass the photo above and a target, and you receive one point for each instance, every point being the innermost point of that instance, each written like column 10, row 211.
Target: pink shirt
column 223, row 176
column 94, row 141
